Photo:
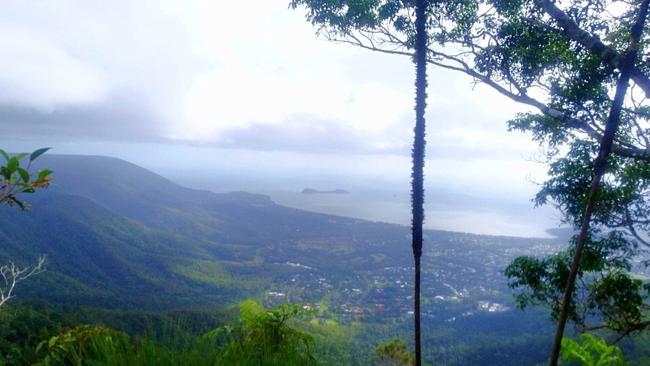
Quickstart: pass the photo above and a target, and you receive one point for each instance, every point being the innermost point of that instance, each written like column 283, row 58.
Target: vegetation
column 599, row 168
column 591, row 352
column 125, row 238
column 393, row 353
column 258, row 337
column 15, row 180
column 12, row 275
column 564, row 60
column 417, row 175
column 171, row 283
column 22, row 329
column 65, row 340
column 265, row 337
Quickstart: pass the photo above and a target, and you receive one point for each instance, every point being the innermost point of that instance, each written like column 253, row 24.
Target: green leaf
column 38, row 153
column 53, row 341
column 20, row 156
column 13, row 164
column 4, row 153
column 44, row 173
column 24, row 174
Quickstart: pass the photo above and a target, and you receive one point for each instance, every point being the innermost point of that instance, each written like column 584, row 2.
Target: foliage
column 259, row 337
column 592, row 352
column 153, row 339
column 605, row 292
column 15, row 179
column 86, row 345
column 178, row 339
column 79, row 345
column 263, row 337
column 22, row 329
column 129, row 268
column 393, row 353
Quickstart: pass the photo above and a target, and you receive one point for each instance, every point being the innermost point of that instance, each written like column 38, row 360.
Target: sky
column 245, row 96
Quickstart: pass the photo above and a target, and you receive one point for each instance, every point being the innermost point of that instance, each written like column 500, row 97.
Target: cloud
column 193, row 73
column 70, row 55
column 244, row 91
column 117, row 120
column 309, row 134
column 38, row 73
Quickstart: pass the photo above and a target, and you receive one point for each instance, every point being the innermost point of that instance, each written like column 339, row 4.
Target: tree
column 564, row 60
column 342, row 18
column 531, row 51
column 417, row 183
column 599, row 166
column 15, row 180
column 393, row 353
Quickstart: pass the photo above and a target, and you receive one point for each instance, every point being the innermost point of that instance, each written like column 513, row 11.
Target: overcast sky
column 245, row 88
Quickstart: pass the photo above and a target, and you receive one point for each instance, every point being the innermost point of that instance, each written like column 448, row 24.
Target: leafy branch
column 15, row 179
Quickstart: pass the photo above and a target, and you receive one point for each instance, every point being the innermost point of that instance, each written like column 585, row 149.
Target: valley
column 120, row 237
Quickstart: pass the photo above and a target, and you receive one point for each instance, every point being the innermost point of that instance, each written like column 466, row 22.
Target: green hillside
column 96, row 257
column 117, row 234
column 120, row 237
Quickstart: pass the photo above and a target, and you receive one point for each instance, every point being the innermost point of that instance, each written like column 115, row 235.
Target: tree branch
column 368, row 40
column 12, row 275
column 609, row 55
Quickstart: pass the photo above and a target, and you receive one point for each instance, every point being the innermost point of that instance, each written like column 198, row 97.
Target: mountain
column 116, row 234
column 152, row 200
column 119, row 236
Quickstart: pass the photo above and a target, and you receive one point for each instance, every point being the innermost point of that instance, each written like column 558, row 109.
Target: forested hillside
column 108, row 225
column 120, row 237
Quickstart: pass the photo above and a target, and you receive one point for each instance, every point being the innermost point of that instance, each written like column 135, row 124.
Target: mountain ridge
column 120, row 235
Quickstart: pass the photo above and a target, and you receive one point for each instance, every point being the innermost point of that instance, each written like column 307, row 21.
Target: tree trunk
column 600, row 165
column 417, row 175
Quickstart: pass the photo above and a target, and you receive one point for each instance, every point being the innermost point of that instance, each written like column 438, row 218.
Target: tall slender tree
column 417, row 178
column 342, row 18
column 599, row 169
